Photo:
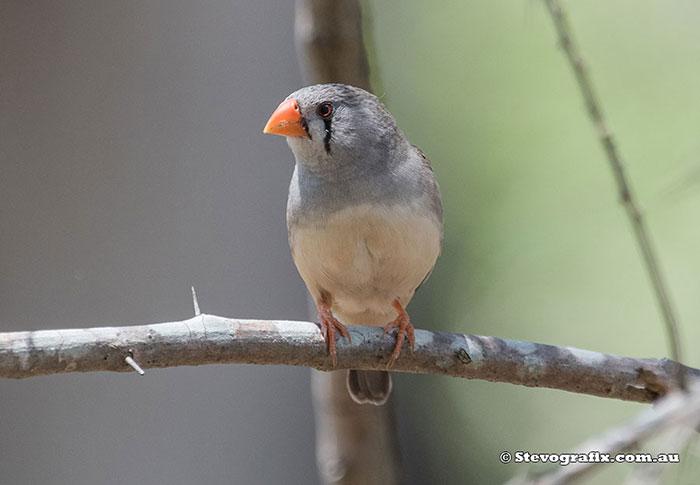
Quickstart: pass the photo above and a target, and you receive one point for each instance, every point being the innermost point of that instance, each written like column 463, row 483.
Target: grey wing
column 432, row 188
column 436, row 200
column 424, row 158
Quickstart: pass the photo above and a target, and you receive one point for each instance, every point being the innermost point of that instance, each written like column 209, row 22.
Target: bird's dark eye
column 324, row 110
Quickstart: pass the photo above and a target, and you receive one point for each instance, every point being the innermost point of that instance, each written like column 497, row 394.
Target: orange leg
column 403, row 323
column 328, row 325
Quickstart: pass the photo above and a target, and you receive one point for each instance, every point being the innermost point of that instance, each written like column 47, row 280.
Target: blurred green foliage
column 537, row 246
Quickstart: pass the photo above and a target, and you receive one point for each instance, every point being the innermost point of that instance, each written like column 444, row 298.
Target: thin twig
column 677, row 409
column 209, row 339
column 678, row 439
column 623, row 185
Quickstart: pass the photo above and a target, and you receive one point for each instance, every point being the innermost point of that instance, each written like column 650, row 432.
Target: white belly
column 365, row 257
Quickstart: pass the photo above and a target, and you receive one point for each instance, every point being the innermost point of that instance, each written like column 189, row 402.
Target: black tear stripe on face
column 304, row 124
column 327, row 136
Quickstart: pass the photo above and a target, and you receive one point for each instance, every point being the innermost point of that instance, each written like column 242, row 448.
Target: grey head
column 348, row 130
column 348, row 150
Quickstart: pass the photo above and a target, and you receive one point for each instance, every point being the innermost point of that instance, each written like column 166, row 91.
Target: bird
column 364, row 217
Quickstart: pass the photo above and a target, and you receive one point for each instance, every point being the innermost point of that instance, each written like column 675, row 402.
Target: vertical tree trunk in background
column 329, row 42
column 355, row 444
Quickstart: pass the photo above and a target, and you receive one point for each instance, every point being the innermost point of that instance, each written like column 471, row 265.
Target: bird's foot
column 403, row 323
column 328, row 326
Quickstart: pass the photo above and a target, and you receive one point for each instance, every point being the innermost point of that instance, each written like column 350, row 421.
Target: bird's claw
column 403, row 323
column 328, row 326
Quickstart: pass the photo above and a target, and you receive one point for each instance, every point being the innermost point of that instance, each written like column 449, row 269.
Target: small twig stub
column 195, row 303
column 129, row 360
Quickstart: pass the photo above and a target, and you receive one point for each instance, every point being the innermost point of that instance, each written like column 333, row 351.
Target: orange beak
column 286, row 120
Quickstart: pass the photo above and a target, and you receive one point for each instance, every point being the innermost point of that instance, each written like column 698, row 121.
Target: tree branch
column 624, row 188
column 208, row 339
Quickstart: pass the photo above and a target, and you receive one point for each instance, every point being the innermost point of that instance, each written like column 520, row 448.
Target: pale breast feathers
column 367, row 255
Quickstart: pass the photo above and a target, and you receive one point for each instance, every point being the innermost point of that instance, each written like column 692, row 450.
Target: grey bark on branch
column 208, row 339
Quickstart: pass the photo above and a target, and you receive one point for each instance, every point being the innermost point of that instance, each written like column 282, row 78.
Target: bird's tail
column 369, row 386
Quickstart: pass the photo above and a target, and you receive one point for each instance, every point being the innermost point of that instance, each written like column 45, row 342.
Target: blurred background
column 133, row 165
